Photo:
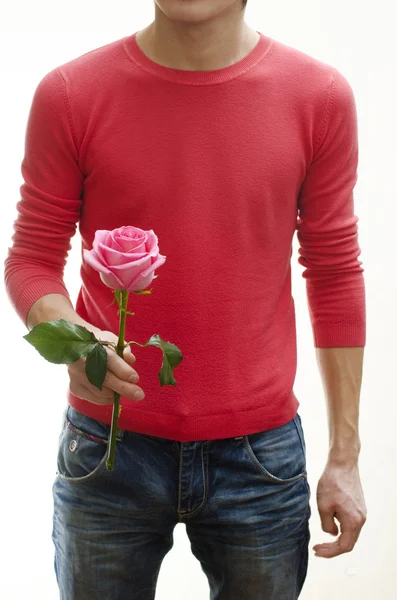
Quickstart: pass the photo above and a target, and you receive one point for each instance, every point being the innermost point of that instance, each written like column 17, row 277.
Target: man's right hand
column 120, row 376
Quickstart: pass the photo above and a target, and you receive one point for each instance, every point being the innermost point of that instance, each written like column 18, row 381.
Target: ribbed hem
column 185, row 429
column 186, row 77
column 339, row 335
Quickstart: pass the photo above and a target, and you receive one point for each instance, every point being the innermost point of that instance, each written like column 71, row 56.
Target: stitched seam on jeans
column 84, row 478
column 264, row 471
column 92, row 437
column 205, row 480
column 180, row 479
column 300, row 436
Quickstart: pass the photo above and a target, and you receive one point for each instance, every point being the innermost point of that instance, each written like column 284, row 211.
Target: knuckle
column 126, row 389
column 111, row 382
column 133, row 377
column 359, row 521
column 107, row 336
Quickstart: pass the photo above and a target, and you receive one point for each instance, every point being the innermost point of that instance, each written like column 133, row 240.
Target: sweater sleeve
column 49, row 207
column 327, row 228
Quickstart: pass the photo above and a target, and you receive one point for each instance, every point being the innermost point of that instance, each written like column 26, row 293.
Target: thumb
column 128, row 356
column 328, row 524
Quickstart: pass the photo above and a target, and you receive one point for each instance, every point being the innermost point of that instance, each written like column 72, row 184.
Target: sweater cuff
column 339, row 335
column 30, row 293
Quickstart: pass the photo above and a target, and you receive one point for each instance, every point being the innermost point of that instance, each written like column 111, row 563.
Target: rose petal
column 138, row 282
column 152, row 240
column 128, row 238
column 126, row 258
column 92, row 260
column 141, row 284
column 111, row 281
column 129, row 259
column 101, row 236
column 111, row 257
column 129, row 272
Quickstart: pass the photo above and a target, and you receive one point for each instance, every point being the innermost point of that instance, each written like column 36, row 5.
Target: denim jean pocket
column 279, row 454
column 82, row 447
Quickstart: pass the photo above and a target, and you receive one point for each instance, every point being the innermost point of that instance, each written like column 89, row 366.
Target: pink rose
column 125, row 258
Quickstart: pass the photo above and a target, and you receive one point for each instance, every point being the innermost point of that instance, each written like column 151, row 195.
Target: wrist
column 53, row 307
column 344, row 454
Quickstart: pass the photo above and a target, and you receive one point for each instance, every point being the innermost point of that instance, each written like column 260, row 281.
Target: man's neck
column 168, row 44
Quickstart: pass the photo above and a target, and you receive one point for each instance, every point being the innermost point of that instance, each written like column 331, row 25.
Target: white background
column 357, row 38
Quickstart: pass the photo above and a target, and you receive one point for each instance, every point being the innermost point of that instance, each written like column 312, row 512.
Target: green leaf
column 61, row 342
column 172, row 356
column 96, row 365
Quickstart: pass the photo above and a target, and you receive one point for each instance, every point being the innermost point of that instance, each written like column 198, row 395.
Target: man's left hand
column 340, row 496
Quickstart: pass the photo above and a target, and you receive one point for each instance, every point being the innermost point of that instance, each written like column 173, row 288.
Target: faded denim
column 244, row 501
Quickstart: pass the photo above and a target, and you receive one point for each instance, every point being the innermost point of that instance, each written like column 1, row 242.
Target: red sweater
column 224, row 166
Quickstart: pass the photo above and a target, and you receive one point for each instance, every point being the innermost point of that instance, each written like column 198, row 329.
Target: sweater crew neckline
column 188, row 77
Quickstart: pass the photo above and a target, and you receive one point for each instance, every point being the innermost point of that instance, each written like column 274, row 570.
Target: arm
column 329, row 251
column 121, row 377
column 339, row 491
column 50, row 203
column 49, row 209
column 341, row 373
column 52, row 307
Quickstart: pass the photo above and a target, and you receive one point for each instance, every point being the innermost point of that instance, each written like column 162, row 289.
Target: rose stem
column 116, row 406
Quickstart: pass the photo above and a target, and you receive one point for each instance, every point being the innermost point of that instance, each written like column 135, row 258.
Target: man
column 224, row 142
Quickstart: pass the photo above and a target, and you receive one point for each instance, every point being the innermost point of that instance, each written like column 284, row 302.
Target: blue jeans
column 244, row 501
